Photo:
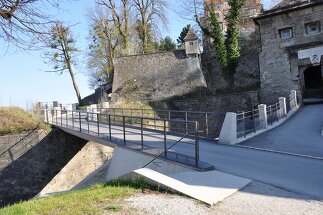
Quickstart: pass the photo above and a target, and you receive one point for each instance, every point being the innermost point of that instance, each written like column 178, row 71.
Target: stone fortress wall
column 156, row 77
column 281, row 70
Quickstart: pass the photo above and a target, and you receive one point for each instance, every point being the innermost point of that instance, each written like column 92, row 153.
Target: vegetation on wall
column 226, row 45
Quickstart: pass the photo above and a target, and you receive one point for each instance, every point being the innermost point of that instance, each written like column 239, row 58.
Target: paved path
column 297, row 174
column 301, row 134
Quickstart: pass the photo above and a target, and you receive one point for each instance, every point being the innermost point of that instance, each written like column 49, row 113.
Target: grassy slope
column 93, row 200
column 14, row 120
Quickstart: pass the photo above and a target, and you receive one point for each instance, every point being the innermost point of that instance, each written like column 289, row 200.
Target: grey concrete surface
column 301, row 134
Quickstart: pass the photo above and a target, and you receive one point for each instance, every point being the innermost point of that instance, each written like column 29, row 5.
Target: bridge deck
column 151, row 142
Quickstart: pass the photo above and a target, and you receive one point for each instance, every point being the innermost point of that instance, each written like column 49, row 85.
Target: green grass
column 93, row 200
column 14, row 120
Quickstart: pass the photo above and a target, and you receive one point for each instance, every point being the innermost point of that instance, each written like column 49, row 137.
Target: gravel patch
column 256, row 198
column 164, row 204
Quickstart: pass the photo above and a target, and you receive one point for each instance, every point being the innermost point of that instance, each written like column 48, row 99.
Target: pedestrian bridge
column 189, row 138
column 142, row 131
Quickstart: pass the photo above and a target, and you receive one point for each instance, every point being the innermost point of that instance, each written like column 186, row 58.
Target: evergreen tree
column 167, row 44
column 180, row 39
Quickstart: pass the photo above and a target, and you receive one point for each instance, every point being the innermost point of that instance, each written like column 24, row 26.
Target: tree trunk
column 77, row 91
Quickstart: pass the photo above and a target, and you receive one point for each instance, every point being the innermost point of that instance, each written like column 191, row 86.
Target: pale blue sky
column 23, row 79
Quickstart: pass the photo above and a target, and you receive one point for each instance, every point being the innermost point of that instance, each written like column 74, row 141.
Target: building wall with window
column 287, row 32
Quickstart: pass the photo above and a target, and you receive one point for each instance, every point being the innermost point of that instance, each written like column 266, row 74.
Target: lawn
column 93, row 200
column 14, row 120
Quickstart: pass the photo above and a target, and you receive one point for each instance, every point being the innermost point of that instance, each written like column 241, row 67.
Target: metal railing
column 139, row 133
column 210, row 123
column 248, row 122
column 273, row 114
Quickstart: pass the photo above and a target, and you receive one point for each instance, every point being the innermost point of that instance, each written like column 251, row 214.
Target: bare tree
column 105, row 41
column 62, row 53
column 23, row 21
column 149, row 14
column 119, row 15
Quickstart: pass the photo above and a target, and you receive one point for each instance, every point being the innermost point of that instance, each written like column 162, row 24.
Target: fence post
column 88, row 123
column 293, row 100
column 98, row 124
column 47, row 116
column 80, row 122
column 282, row 107
column 73, row 119
column 228, row 134
column 186, row 118
column 110, row 127
column 197, row 144
column 165, row 139
column 142, row 132
column 124, row 130
column 263, row 120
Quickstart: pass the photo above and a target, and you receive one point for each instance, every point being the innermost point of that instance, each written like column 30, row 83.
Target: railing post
column 56, row 118
column 61, row 118
column 186, row 122
column 47, row 116
column 124, row 130
column 165, row 139
column 73, row 119
column 244, row 124
column 254, row 120
column 197, row 144
column 98, row 124
column 88, row 123
column 207, row 125
column 293, row 100
column 142, row 132
column 263, row 116
column 282, row 107
column 110, row 126
column 66, row 120
column 80, row 122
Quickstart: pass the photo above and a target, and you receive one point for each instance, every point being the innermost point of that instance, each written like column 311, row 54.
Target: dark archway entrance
column 313, row 82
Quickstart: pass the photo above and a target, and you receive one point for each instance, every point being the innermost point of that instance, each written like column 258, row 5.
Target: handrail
column 104, row 125
column 161, row 110
column 166, row 150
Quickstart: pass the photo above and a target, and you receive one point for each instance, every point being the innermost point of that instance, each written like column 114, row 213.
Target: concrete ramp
column 209, row 187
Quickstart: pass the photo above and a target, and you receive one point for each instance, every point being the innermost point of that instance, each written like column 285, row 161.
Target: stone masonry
column 156, row 77
column 280, row 69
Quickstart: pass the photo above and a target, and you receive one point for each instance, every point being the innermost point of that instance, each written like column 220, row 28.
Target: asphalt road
column 301, row 134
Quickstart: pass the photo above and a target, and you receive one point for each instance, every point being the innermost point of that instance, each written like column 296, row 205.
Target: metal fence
column 210, row 123
column 257, row 119
column 140, row 133
column 248, row 122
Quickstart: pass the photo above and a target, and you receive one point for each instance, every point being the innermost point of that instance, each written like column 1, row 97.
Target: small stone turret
column 192, row 46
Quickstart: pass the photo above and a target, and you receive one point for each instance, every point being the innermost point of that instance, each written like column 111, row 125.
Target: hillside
column 14, row 120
